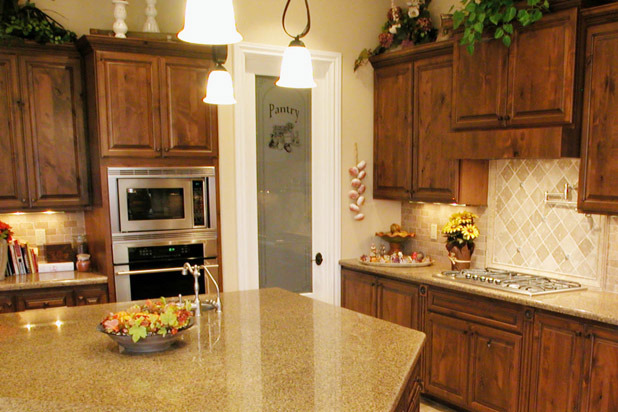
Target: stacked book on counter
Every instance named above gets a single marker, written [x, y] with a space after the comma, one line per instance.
[22, 259]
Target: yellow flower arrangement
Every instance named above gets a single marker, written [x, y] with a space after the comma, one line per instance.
[460, 229]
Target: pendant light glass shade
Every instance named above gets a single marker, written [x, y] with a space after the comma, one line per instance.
[296, 67]
[219, 89]
[210, 22]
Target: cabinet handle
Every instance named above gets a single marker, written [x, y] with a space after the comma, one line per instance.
[588, 335]
[80, 298]
[33, 200]
[167, 149]
[45, 304]
[578, 334]
[489, 343]
[9, 305]
[24, 200]
[500, 118]
[507, 117]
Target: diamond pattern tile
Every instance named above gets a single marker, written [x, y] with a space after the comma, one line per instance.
[550, 238]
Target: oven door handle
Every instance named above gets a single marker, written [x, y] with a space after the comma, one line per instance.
[151, 271]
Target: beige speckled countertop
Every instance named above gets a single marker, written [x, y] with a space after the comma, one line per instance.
[268, 350]
[586, 304]
[50, 280]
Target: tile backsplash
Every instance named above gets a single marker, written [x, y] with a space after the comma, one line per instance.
[59, 227]
[519, 231]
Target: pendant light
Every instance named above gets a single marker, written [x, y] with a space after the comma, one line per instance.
[219, 88]
[210, 22]
[296, 67]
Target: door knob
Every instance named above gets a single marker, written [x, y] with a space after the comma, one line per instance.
[318, 259]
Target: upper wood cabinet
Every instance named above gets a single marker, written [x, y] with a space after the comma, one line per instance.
[392, 125]
[530, 84]
[598, 180]
[412, 122]
[42, 129]
[148, 97]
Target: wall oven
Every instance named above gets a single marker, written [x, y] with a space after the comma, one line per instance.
[137, 264]
[157, 199]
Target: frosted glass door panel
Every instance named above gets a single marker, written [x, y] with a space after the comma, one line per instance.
[284, 185]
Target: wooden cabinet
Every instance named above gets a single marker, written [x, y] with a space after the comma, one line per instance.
[90, 295]
[529, 84]
[410, 400]
[573, 366]
[11, 301]
[7, 304]
[42, 129]
[598, 180]
[412, 121]
[51, 298]
[386, 299]
[392, 142]
[472, 361]
[148, 98]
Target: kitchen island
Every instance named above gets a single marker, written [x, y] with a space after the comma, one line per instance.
[268, 350]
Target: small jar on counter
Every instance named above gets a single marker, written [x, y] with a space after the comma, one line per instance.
[83, 262]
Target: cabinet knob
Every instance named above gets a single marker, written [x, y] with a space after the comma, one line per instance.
[9, 305]
[500, 118]
[528, 314]
[33, 200]
[167, 149]
[45, 304]
[489, 343]
[24, 200]
[507, 117]
[80, 298]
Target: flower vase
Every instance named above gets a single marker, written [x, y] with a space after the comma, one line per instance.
[460, 256]
[4, 257]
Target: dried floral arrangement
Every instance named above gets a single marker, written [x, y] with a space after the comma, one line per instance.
[403, 27]
[31, 23]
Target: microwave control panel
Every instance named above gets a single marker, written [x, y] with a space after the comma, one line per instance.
[199, 209]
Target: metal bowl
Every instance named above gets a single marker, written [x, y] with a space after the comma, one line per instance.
[149, 344]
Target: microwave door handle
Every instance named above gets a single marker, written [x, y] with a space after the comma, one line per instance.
[151, 271]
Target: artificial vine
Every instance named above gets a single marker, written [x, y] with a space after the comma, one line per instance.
[478, 16]
[30, 23]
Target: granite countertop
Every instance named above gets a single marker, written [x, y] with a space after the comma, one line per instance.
[50, 280]
[268, 350]
[586, 304]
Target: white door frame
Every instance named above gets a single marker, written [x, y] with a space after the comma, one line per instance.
[251, 59]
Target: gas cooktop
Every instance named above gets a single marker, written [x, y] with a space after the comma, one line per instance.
[507, 281]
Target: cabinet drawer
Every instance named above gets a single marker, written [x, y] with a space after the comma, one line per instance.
[490, 312]
[92, 295]
[6, 304]
[43, 300]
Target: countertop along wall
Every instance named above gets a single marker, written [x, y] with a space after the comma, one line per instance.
[343, 26]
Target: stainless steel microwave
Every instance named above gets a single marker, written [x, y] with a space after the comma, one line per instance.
[161, 199]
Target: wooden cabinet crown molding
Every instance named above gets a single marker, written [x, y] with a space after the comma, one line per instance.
[89, 43]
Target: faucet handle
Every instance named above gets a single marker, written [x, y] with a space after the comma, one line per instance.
[180, 298]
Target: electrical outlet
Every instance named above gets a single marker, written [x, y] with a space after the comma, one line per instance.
[434, 231]
[40, 236]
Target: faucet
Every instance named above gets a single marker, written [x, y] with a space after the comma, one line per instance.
[195, 270]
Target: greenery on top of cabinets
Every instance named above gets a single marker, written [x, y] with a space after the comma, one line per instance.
[31, 23]
[479, 16]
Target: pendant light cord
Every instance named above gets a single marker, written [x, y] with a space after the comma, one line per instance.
[307, 27]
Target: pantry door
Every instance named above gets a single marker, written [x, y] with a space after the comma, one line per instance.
[287, 175]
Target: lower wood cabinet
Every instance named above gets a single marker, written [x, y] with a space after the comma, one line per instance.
[471, 365]
[15, 301]
[574, 366]
[410, 400]
[386, 299]
[488, 355]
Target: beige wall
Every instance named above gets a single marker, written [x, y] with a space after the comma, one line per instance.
[343, 26]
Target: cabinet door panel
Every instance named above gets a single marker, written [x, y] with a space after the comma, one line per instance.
[398, 303]
[447, 358]
[435, 176]
[479, 86]
[392, 142]
[599, 168]
[129, 104]
[600, 392]
[91, 295]
[494, 378]
[14, 193]
[55, 131]
[541, 81]
[189, 125]
[556, 364]
[358, 292]
[44, 299]
[6, 304]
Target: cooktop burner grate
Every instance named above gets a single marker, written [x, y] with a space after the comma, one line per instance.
[509, 281]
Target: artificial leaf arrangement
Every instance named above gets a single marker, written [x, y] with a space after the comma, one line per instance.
[153, 318]
[30, 23]
[403, 27]
[5, 232]
[461, 230]
[480, 16]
